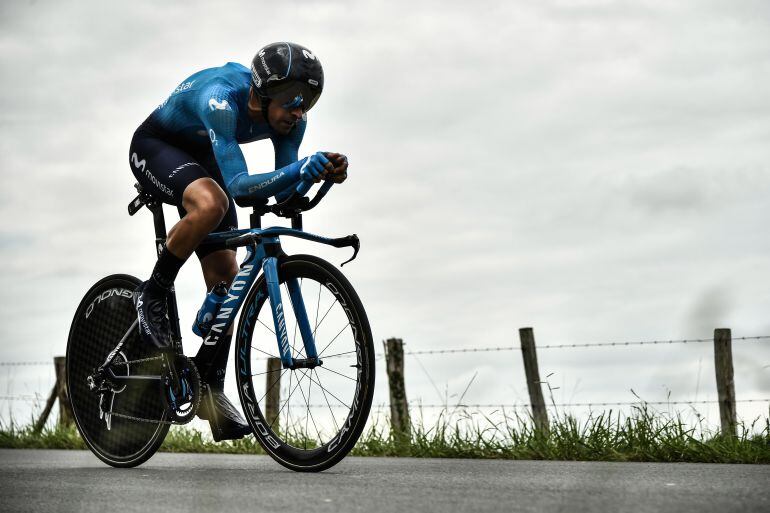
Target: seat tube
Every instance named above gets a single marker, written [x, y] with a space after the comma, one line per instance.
[159, 221]
[301, 314]
[270, 268]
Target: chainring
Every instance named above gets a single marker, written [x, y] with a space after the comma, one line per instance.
[183, 407]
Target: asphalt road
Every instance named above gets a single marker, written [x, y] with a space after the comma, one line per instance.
[76, 481]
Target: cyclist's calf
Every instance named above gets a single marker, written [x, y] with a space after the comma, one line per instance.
[219, 266]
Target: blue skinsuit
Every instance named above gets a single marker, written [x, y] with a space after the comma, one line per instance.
[208, 110]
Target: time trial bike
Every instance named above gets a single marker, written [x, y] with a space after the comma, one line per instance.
[312, 355]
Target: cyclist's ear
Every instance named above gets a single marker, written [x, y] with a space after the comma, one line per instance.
[254, 103]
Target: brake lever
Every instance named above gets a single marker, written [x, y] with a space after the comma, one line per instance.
[355, 243]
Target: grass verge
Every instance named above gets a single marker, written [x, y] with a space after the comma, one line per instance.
[642, 436]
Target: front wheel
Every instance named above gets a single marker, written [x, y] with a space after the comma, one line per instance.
[316, 415]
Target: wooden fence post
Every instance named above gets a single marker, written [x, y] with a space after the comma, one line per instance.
[48, 407]
[399, 409]
[539, 414]
[273, 391]
[723, 364]
[59, 391]
[66, 417]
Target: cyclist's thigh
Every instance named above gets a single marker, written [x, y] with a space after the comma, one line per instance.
[230, 221]
[162, 169]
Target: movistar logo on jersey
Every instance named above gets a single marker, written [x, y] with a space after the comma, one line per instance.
[183, 87]
[214, 104]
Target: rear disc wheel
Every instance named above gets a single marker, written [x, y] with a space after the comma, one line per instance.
[106, 316]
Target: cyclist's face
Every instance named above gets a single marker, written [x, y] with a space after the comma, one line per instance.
[281, 118]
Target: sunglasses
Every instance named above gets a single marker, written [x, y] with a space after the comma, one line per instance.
[295, 95]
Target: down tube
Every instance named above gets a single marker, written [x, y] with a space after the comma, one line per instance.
[235, 295]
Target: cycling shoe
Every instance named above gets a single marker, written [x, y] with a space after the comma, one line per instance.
[152, 312]
[225, 421]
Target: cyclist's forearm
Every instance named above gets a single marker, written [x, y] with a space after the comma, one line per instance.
[264, 185]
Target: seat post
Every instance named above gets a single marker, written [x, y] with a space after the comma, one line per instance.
[159, 221]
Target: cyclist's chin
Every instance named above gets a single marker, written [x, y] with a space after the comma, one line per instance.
[283, 127]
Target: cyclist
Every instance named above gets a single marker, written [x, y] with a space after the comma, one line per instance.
[186, 153]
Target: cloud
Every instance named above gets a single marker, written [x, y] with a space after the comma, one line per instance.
[589, 168]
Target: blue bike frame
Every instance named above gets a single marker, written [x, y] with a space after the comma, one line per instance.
[263, 249]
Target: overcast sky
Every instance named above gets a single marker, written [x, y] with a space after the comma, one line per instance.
[597, 170]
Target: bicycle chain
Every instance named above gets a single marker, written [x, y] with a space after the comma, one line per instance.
[141, 419]
[141, 360]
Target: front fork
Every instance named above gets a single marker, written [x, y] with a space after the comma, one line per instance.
[270, 268]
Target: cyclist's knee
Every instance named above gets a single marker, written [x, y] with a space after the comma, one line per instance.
[204, 197]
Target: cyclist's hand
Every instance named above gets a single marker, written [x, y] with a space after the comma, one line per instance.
[340, 163]
[315, 168]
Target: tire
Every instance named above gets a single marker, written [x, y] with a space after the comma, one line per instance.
[103, 318]
[322, 411]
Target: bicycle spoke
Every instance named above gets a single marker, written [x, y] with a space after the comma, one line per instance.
[320, 437]
[266, 326]
[343, 403]
[340, 354]
[278, 380]
[288, 412]
[335, 338]
[310, 415]
[307, 412]
[334, 419]
[337, 373]
[266, 372]
[324, 317]
[299, 381]
[264, 352]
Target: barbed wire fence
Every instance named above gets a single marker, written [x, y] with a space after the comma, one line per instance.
[579, 345]
[722, 340]
[419, 405]
[58, 392]
[399, 407]
[24, 364]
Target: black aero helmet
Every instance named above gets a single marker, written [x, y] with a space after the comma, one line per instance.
[287, 73]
